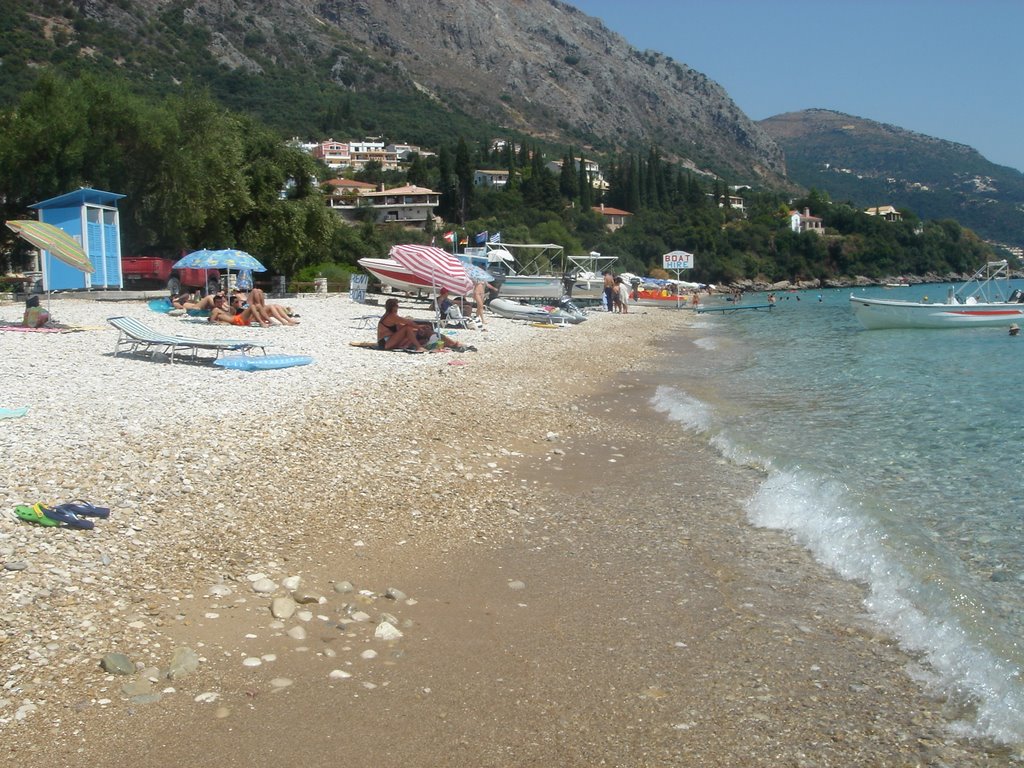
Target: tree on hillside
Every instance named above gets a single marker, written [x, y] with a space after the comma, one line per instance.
[447, 185]
[586, 186]
[568, 184]
[417, 173]
[464, 179]
[540, 189]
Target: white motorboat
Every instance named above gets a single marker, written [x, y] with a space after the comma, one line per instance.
[390, 272]
[566, 312]
[981, 302]
[534, 270]
[533, 286]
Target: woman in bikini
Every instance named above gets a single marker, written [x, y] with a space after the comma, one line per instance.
[395, 331]
[264, 311]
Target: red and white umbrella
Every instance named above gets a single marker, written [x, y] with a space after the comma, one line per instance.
[436, 265]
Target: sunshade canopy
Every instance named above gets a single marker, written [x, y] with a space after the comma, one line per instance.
[434, 264]
[226, 258]
[50, 238]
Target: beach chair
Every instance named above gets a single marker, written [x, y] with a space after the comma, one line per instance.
[455, 319]
[134, 336]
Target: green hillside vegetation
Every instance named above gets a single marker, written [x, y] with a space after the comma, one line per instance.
[199, 175]
[289, 94]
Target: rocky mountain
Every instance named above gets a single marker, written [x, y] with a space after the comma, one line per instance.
[874, 164]
[540, 68]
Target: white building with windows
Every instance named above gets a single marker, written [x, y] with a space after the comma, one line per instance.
[490, 179]
[804, 222]
[410, 205]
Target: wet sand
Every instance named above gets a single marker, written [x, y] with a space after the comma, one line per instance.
[594, 605]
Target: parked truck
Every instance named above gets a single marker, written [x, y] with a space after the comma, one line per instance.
[158, 272]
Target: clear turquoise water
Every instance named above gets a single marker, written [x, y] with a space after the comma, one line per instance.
[896, 458]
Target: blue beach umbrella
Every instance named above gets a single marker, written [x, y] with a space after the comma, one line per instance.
[478, 275]
[224, 258]
[227, 258]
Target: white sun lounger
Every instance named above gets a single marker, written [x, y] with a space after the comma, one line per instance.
[134, 336]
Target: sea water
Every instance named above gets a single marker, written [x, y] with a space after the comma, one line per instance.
[896, 457]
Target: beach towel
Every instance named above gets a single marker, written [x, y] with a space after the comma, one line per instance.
[13, 413]
[49, 329]
[373, 345]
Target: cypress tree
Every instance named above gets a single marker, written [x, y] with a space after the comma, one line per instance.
[586, 187]
[567, 183]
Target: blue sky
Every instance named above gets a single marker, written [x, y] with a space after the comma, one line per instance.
[952, 69]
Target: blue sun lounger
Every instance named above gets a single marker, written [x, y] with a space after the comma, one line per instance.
[134, 336]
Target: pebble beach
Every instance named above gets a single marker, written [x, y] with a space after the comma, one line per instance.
[437, 559]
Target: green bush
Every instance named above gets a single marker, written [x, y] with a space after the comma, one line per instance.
[337, 277]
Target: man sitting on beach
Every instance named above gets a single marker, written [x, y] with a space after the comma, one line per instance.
[453, 309]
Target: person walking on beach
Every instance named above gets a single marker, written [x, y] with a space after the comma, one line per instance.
[622, 294]
[609, 290]
[478, 299]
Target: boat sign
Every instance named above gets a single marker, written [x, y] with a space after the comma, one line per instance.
[677, 260]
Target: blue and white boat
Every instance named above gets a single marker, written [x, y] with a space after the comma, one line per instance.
[537, 272]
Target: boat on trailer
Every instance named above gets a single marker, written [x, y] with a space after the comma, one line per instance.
[983, 301]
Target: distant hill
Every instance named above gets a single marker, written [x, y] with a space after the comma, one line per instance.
[422, 71]
[871, 164]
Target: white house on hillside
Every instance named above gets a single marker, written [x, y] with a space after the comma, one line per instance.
[496, 179]
[614, 218]
[804, 222]
[409, 205]
[887, 212]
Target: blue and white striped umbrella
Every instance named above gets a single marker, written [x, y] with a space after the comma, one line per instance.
[226, 258]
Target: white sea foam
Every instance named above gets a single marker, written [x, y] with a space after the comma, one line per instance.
[706, 343]
[821, 516]
[693, 414]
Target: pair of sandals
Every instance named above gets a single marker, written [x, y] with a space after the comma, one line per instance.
[74, 514]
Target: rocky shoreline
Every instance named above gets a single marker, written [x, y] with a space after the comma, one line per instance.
[860, 281]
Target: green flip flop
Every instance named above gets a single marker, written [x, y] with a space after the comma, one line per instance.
[34, 514]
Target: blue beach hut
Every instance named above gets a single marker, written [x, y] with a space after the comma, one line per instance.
[90, 216]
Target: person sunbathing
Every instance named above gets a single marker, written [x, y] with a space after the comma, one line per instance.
[438, 342]
[268, 312]
[225, 315]
[185, 301]
[395, 331]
